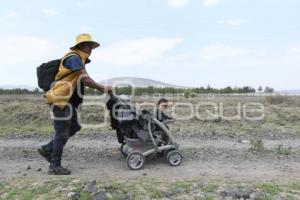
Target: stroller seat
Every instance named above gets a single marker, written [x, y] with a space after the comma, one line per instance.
[141, 134]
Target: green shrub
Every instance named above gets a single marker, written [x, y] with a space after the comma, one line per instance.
[257, 145]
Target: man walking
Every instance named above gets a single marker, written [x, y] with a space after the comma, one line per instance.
[65, 96]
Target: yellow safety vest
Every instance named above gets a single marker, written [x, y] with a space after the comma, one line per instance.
[62, 90]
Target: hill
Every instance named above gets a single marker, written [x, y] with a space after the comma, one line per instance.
[138, 82]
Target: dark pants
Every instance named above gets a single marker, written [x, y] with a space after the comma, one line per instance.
[65, 125]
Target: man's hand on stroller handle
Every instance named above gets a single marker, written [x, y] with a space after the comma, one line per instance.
[109, 89]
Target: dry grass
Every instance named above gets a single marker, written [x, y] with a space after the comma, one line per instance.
[284, 100]
[29, 114]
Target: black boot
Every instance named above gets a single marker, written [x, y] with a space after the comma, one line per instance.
[58, 170]
[45, 153]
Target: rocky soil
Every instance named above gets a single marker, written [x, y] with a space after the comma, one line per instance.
[213, 168]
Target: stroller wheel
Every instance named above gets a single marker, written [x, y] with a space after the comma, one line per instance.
[174, 157]
[135, 160]
[124, 150]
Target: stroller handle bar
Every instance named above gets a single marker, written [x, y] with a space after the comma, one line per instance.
[115, 97]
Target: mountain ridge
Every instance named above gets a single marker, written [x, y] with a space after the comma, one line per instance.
[138, 82]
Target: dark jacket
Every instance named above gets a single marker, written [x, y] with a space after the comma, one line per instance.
[161, 116]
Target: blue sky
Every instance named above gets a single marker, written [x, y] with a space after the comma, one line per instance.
[184, 42]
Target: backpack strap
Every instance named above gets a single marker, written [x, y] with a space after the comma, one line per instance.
[62, 60]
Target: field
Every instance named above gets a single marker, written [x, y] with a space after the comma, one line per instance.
[233, 146]
[29, 115]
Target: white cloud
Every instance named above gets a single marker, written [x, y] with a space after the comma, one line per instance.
[183, 3]
[21, 50]
[222, 64]
[177, 3]
[295, 50]
[210, 3]
[220, 52]
[292, 56]
[12, 14]
[82, 4]
[50, 12]
[136, 52]
[86, 29]
[232, 22]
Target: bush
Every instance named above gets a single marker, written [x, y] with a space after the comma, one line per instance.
[278, 99]
[257, 145]
[280, 150]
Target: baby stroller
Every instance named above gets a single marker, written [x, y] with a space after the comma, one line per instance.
[141, 134]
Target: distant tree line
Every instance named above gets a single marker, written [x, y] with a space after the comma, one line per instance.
[200, 90]
[186, 91]
[19, 91]
[158, 90]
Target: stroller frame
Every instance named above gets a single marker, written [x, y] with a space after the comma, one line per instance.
[136, 150]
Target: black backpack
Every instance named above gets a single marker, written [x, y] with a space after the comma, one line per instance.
[46, 73]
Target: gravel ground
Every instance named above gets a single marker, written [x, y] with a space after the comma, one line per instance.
[204, 158]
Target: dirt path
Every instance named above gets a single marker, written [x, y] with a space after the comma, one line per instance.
[203, 158]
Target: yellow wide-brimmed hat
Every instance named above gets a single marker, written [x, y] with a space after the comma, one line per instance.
[85, 38]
